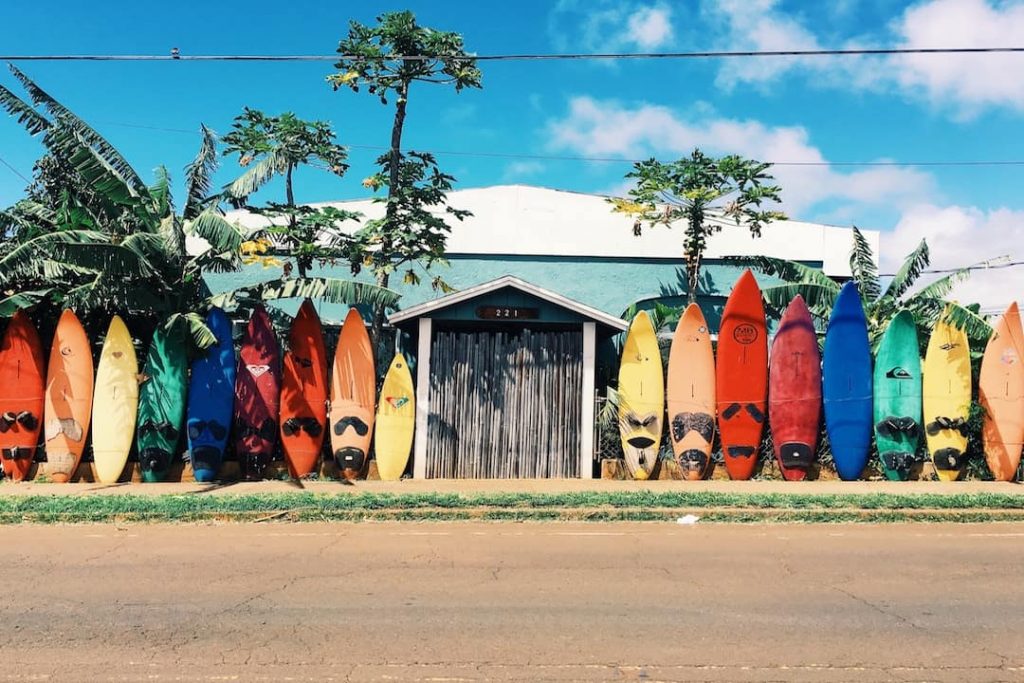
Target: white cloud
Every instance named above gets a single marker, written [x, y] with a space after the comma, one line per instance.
[521, 169]
[610, 25]
[974, 81]
[608, 128]
[959, 236]
[650, 27]
[964, 83]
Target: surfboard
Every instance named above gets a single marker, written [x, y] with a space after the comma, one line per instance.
[641, 397]
[741, 376]
[946, 388]
[304, 392]
[257, 396]
[162, 402]
[68, 404]
[794, 391]
[846, 384]
[211, 399]
[21, 396]
[1001, 392]
[897, 405]
[396, 420]
[353, 397]
[690, 394]
[115, 402]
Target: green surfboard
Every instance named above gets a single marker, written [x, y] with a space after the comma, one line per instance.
[897, 404]
[162, 402]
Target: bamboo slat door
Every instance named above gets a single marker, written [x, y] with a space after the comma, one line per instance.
[505, 405]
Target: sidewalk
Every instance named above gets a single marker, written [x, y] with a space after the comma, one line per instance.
[540, 486]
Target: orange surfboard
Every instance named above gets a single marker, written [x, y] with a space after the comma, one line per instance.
[21, 396]
[1001, 392]
[353, 397]
[691, 394]
[69, 387]
[742, 377]
[304, 392]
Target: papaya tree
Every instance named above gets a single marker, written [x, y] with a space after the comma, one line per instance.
[414, 229]
[703, 194]
[276, 146]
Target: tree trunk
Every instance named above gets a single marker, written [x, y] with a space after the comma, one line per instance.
[393, 190]
[290, 198]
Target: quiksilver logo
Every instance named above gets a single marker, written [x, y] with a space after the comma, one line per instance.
[898, 373]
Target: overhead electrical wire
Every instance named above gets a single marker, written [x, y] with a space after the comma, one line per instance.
[175, 55]
[15, 171]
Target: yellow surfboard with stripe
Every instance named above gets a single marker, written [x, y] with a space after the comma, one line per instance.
[396, 421]
[947, 398]
[641, 397]
[115, 402]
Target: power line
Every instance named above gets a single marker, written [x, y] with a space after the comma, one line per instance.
[15, 171]
[176, 56]
[621, 160]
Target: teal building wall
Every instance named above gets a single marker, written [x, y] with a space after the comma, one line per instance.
[610, 285]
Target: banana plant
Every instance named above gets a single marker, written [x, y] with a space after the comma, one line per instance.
[881, 303]
[119, 244]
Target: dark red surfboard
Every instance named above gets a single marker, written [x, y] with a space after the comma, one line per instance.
[257, 396]
[794, 391]
[741, 377]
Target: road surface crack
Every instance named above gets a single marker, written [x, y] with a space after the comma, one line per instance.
[881, 610]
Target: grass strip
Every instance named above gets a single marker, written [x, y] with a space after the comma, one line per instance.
[595, 505]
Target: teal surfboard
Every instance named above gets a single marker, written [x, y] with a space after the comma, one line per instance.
[897, 405]
[162, 402]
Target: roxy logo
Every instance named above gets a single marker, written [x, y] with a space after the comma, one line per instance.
[257, 370]
[745, 334]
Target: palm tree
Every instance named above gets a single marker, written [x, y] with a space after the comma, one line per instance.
[124, 246]
[880, 304]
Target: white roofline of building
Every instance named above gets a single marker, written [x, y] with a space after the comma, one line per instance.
[428, 307]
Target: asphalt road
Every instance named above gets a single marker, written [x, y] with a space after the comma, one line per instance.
[531, 602]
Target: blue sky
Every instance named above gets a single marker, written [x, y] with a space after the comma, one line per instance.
[827, 110]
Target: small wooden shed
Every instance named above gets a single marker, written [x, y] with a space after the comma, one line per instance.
[505, 382]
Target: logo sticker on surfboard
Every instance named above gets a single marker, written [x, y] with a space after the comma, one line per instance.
[257, 370]
[745, 333]
[396, 402]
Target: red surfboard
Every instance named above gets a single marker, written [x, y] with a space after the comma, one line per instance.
[741, 377]
[794, 391]
[21, 396]
[304, 392]
[257, 396]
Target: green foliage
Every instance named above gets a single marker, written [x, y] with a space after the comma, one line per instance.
[91, 235]
[273, 146]
[412, 229]
[418, 231]
[704, 194]
[819, 291]
[368, 50]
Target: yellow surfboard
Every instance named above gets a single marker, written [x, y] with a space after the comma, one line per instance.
[396, 420]
[641, 397]
[115, 402]
[947, 398]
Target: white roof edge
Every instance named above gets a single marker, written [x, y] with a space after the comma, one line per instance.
[508, 281]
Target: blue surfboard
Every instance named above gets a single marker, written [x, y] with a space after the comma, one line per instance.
[211, 396]
[846, 385]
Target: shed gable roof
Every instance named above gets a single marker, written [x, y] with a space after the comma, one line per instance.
[431, 308]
